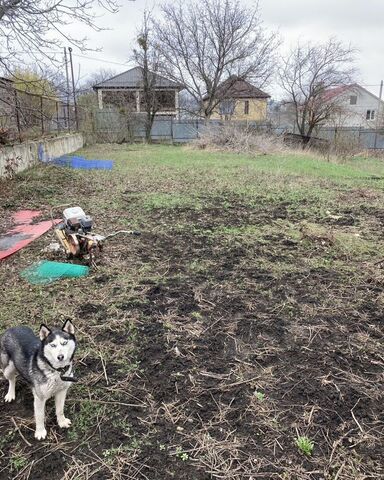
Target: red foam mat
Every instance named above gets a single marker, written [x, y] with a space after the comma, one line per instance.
[23, 233]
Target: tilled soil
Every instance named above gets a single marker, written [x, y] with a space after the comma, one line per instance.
[207, 349]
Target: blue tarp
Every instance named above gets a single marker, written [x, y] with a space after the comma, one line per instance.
[83, 163]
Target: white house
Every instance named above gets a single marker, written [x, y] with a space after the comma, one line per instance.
[355, 107]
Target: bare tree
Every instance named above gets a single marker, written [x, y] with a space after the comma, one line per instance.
[205, 42]
[35, 27]
[308, 76]
[148, 58]
[94, 78]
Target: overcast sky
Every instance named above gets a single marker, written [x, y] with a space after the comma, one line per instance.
[358, 22]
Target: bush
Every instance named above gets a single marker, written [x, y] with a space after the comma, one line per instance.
[238, 138]
[5, 135]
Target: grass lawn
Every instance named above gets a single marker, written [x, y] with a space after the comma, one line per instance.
[239, 337]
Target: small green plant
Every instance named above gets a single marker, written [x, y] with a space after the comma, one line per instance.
[7, 438]
[305, 445]
[111, 453]
[259, 395]
[85, 419]
[181, 454]
[162, 447]
[18, 462]
[123, 425]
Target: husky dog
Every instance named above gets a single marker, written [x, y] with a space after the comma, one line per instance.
[46, 364]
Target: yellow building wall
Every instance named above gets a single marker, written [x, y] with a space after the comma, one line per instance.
[257, 110]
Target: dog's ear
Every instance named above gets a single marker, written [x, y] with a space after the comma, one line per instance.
[68, 327]
[44, 332]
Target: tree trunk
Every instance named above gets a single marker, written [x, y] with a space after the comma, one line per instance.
[148, 128]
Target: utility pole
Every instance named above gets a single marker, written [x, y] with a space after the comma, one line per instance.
[73, 88]
[378, 114]
[68, 119]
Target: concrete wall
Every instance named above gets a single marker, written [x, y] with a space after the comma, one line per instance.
[27, 154]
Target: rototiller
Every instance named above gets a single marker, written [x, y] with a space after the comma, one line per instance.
[75, 235]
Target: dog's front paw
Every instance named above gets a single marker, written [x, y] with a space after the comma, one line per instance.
[9, 397]
[64, 422]
[40, 434]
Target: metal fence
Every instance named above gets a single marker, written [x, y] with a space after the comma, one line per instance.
[25, 116]
[113, 125]
[358, 137]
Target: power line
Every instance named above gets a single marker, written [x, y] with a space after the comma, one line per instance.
[100, 60]
[75, 55]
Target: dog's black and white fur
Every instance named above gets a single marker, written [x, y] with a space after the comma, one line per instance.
[45, 363]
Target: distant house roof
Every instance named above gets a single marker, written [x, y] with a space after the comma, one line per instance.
[334, 92]
[234, 87]
[133, 79]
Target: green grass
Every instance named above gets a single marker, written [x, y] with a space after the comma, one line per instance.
[180, 160]
[85, 419]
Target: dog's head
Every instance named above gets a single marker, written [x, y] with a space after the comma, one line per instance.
[58, 345]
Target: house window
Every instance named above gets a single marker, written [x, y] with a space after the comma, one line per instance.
[246, 107]
[353, 99]
[370, 115]
[227, 107]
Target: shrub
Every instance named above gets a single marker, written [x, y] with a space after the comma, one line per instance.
[5, 134]
[239, 138]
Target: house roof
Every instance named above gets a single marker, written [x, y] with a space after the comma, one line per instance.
[234, 87]
[133, 79]
[334, 92]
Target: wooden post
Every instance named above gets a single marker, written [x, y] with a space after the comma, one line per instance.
[378, 113]
[92, 121]
[57, 117]
[73, 89]
[17, 116]
[67, 115]
[42, 116]
[177, 105]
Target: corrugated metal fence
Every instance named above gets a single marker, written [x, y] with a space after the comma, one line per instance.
[111, 125]
[365, 138]
[119, 126]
